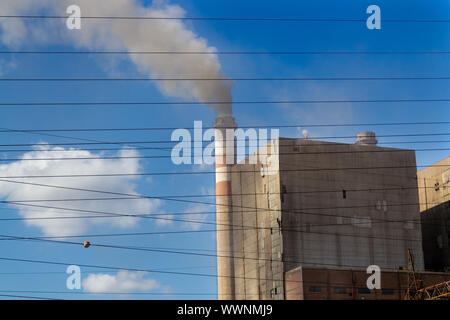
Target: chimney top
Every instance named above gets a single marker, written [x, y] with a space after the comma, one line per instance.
[225, 122]
[366, 138]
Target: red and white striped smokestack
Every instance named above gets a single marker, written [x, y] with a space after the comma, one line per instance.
[225, 156]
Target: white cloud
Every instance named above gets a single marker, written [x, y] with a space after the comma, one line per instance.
[119, 184]
[198, 213]
[164, 220]
[6, 66]
[122, 282]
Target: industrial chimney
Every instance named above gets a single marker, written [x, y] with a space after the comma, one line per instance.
[225, 156]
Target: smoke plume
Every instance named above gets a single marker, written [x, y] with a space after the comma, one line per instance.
[126, 35]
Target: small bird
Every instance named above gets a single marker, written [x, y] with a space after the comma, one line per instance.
[86, 244]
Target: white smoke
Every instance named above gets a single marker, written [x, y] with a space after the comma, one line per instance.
[127, 35]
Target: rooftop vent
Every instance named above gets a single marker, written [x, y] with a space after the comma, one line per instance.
[366, 138]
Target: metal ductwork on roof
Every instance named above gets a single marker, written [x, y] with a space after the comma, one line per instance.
[366, 138]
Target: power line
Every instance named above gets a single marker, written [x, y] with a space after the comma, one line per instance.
[295, 229]
[248, 19]
[187, 213]
[170, 198]
[195, 103]
[112, 293]
[62, 272]
[437, 52]
[211, 223]
[26, 297]
[167, 252]
[132, 195]
[168, 148]
[311, 125]
[137, 196]
[224, 140]
[244, 154]
[290, 211]
[209, 172]
[334, 285]
[163, 272]
[222, 79]
[241, 227]
[293, 211]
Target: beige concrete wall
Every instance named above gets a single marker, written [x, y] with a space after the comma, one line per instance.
[375, 222]
[256, 236]
[434, 184]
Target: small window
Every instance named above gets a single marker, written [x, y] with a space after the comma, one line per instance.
[315, 289]
[387, 291]
[273, 291]
[340, 290]
[344, 194]
[363, 291]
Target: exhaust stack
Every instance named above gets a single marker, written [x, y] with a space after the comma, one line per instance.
[225, 156]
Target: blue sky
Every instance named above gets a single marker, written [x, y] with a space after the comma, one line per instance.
[225, 36]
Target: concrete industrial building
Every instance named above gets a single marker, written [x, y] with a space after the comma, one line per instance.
[434, 184]
[318, 283]
[316, 204]
[436, 237]
[434, 197]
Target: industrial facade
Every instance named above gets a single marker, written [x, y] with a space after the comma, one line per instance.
[434, 184]
[324, 205]
[316, 283]
[436, 237]
[434, 197]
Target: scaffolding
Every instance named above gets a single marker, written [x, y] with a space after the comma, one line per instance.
[439, 291]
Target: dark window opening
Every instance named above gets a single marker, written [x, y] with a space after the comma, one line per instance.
[340, 290]
[344, 194]
[363, 291]
[315, 289]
